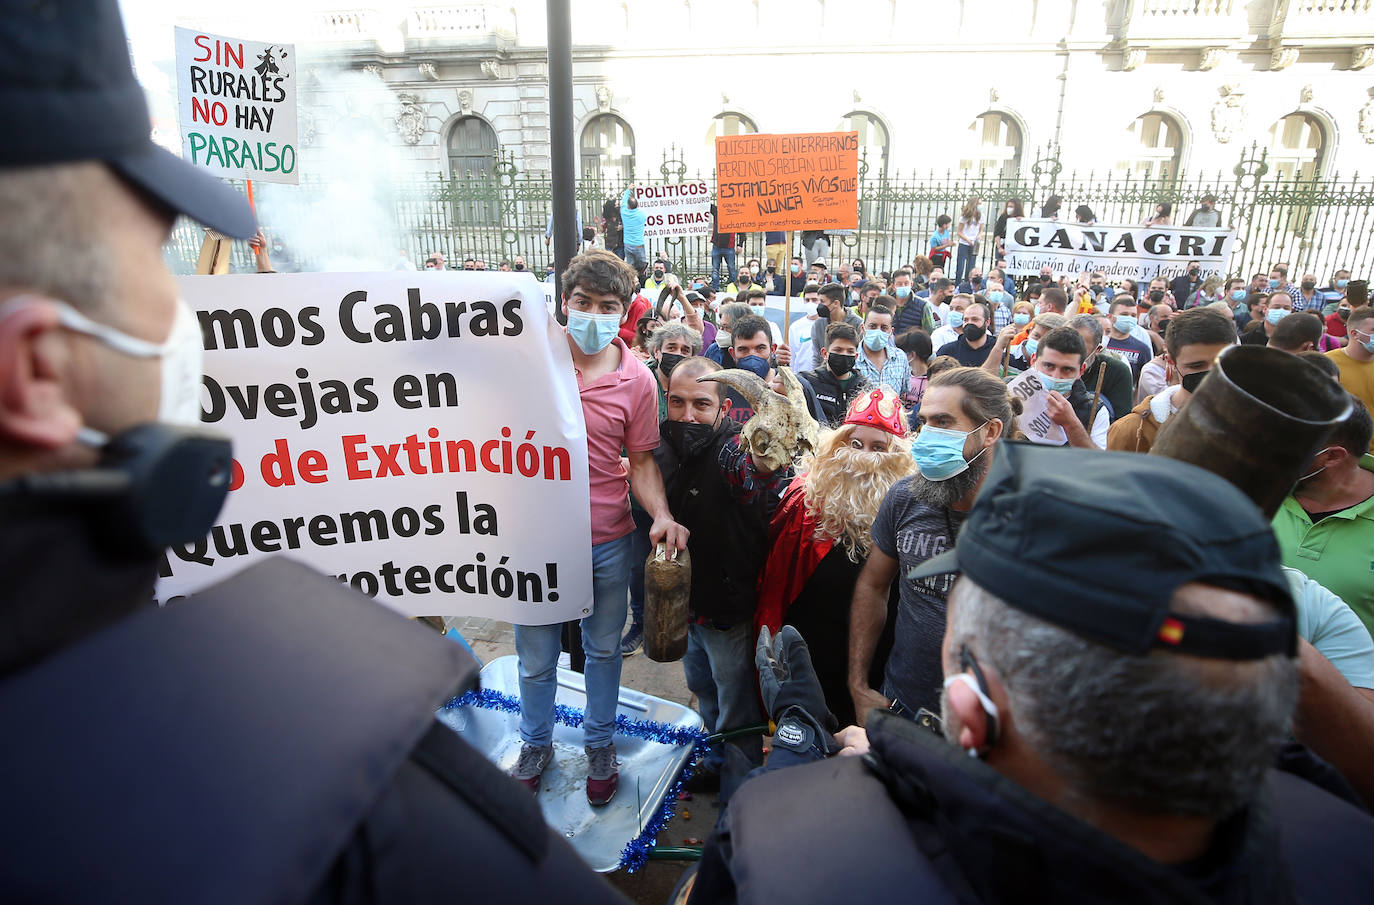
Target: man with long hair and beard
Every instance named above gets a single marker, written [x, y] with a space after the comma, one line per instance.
[821, 536]
[964, 413]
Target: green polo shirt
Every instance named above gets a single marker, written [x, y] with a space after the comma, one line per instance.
[1337, 552]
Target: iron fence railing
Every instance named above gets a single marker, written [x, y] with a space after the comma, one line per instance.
[1314, 225]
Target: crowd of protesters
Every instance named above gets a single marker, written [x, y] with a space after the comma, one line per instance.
[955, 665]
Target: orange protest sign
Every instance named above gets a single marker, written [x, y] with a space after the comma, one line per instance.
[808, 180]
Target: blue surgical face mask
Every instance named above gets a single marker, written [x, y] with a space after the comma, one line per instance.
[1273, 284]
[902, 291]
[1274, 315]
[875, 340]
[955, 319]
[757, 309]
[939, 452]
[1342, 283]
[1061, 385]
[756, 364]
[996, 296]
[1238, 295]
[1029, 348]
[1123, 323]
[592, 332]
[1020, 320]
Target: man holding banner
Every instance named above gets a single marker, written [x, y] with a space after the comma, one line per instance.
[620, 405]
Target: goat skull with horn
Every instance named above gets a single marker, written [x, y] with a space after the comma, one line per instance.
[782, 430]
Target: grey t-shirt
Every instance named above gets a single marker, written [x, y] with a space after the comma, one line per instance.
[911, 532]
[818, 333]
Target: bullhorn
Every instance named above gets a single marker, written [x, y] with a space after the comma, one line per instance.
[1256, 419]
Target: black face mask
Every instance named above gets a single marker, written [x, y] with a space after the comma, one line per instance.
[822, 311]
[1192, 274]
[519, 266]
[658, 274]
[686, 439]
[1192, 381]
[669, 360]
[1156, 296]
[840, 365]
[973, 332]
[1308, 286]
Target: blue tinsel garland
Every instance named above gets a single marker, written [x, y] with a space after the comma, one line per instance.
[636, 853]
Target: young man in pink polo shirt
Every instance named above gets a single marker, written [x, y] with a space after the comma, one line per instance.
[620, 406]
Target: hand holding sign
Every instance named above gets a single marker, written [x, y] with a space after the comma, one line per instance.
[1037, 421]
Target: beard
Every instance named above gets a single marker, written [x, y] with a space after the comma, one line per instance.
[951, 490]
[845, 489]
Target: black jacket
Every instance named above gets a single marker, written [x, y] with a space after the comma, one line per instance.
[729, 535]
[270, 740]
[834, 397]
[919, 821]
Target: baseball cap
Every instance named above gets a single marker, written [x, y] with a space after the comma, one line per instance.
[68, 94]
[695, 297]
[1098, 542]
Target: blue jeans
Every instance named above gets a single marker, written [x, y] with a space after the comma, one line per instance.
[716, 254]
[964, 262]
[635, 256]
[537, 646]
[639, 554]
[719, 666]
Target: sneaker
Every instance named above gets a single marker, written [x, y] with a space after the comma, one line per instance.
[529, 768]
[633, 640]
[602, 775]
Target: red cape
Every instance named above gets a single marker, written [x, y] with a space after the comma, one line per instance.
[792, 558]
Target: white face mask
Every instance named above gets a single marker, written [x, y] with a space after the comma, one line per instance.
[182, 354]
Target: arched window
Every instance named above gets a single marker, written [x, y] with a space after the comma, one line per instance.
[1155, 146]
[1297, 146]
[873, 139]
[729, 124]
[471, 148]
[995, 140]
[608, 148]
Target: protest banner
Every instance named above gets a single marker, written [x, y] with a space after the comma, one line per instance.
[1034, 420]
[236, 100]
[675, 210]
[416, 435]
[1138, 253]
[788, 182]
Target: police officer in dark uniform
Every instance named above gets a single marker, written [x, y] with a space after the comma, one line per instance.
[271, 740]
[1118, 677]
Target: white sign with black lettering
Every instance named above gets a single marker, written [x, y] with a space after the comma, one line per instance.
[675, 210]
[1035, 420]
[1118, 252]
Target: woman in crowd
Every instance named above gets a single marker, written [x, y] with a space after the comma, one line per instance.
[1084, 215]
[1163, 211]
[916, 345]
[821, 535]
[1050, 209]
[970, 231]
[1011, 210]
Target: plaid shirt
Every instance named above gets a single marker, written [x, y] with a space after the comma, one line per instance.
[1299, 303]
[1001, 316]
[745, 483]
[896, 373]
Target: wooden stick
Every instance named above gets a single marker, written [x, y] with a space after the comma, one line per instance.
[787, 296]
[1097, 393]
[1006, 359]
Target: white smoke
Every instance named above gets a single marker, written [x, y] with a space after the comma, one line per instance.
[343, 215]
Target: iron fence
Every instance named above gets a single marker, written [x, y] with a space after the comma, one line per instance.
[1314, 225]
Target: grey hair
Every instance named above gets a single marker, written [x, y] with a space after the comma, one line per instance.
[53, 234]
[734, 311]
[1162, 733]
[674, 331]
[1091, 323]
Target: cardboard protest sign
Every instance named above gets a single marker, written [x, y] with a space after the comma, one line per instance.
[417, 435]
[675, 210]
[788, 182]
[1035, 420]
[1122, 252]
[236, 101]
